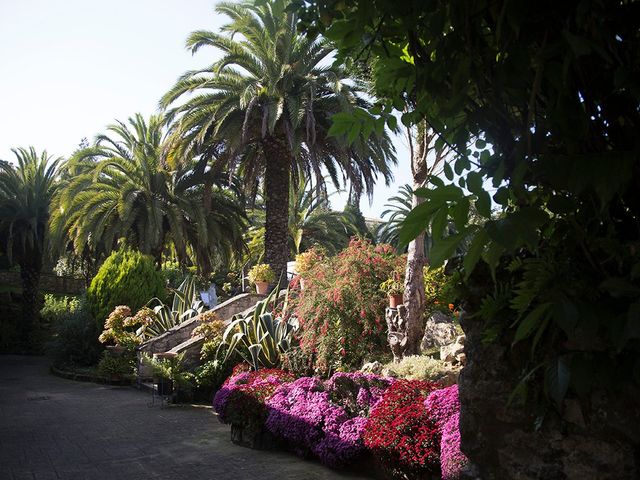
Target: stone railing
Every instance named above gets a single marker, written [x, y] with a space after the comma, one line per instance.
[182, 333]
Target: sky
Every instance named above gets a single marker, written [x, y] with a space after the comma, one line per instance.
[69, 68]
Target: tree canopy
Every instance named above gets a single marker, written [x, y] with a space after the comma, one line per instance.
[543, 101]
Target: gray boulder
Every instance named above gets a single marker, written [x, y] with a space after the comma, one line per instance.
[438, 331]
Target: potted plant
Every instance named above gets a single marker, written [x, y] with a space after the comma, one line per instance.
[162, 366]
[305, 261]
[394, 288]
[261, 275]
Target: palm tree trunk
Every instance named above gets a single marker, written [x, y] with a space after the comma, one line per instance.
[414, 294]
[276, 185]
[30, 275]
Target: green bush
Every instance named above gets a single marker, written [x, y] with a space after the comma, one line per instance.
[74, 334]
[417, 367]
[127, 277]
[56, 307]
[111, 365]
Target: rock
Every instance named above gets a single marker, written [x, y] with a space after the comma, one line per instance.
[440, 317]
[450, 377]
[596, 439]
[454, 352]
[438, 331]
[372, 367]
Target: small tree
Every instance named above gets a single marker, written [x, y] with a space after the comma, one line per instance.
[127, 277]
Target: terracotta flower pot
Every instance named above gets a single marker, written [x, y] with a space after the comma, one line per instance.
[262, 288]
[395, 300]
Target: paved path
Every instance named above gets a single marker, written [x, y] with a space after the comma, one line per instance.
[51, 428]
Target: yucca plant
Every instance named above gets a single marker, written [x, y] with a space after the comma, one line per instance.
[259, 337]
[185, 306]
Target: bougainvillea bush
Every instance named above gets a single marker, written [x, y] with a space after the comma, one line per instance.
[341, 309]
[241, 400]
[402, 434]
[444, 407]
[325, 419]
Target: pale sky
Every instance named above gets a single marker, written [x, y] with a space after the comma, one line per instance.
[69, 68]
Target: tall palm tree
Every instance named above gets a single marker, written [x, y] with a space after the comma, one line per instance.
[311, 223]
[121, 188]
[26, 191]
[267, 106]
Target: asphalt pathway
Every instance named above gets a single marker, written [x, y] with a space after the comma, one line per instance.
[52, 428]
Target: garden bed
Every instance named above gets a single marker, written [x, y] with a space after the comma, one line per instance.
[90, 375]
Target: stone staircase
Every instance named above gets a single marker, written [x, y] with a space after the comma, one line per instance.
[178, 339]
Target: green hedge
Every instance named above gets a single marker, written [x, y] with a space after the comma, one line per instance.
[127, 277]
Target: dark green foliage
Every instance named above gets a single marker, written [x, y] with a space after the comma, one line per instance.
[543, 100]
[123, 187]
[74, 333]
[270, 98]
[127, 277]
[111, 365]
[26, 191]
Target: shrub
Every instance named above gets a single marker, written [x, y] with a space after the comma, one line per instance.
[417, 367]
[258, 336]
[307, 260]
[125, 278]
[241, 400]
[119, 328]
[55, 308]
[211, 327]
[325, 419]
[341, 310]
[74, 336]
[441, 290]
[298, 362]
[114, 365]
[444, 408]
[185, 306]
[210, 376]
[401, 432]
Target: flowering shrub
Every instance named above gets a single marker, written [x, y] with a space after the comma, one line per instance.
[444, 407]
[241, 400]
[119, 328]
[325, 419]
[307, 260]
[402, 433]
[341, 309]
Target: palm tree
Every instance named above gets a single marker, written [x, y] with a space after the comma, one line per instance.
[396, 211]
[25, 197]
[266, 105]
[121, 188]
[311, 223]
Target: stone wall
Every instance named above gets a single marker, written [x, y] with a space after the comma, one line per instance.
[181, 334]
[49, 283]
[597, 439]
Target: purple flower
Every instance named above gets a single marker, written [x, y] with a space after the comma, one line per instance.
[452, 460]
[326, 419]
[444, 408]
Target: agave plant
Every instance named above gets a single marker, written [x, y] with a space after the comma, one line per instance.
[259, 337]
[185, 306]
